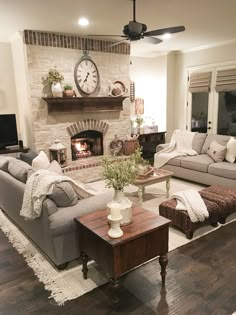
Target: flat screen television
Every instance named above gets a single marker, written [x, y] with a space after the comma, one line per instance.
[8, 130]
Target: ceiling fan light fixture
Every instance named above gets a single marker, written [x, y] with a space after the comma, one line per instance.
[166, 36]
[83, 21]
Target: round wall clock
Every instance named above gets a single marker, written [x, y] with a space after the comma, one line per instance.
[86, 75]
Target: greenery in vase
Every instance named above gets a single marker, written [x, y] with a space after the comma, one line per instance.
[139, 120]
[119, 173]
[53, 76]
[68, 87]
[137, 157]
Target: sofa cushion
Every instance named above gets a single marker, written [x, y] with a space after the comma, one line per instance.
[41, 161]
[64, 195]
[28, 157]
[231, 150]
[18, 169]
[198, 141]
[198, 163]
[223, 169]
[218, 138]
[175, 162]
[216, 151]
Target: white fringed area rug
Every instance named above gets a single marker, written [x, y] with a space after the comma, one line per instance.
[69, 284]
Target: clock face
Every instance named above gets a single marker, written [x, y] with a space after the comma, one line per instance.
[86, 76]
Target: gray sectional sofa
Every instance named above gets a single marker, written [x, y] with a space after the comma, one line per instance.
[55, 233]
[201, 168]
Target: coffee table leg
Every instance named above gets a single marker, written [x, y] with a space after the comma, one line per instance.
[140, 193]
[163, 261]
[167, 188]
[85, 268]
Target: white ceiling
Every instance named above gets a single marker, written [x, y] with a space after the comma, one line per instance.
[207, 22]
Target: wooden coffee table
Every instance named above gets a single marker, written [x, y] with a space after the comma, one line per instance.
[145, 238]
[158, 176]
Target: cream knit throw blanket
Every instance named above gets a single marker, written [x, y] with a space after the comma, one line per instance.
[191, 201]
[38, 186]
[180, 145]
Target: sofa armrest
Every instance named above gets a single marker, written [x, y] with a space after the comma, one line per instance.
[161, 146]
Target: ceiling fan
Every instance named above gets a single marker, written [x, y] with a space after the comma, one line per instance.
[136, 31]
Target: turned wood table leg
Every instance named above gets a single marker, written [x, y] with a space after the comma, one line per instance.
[84, 258]
[163, 260]
[140, 194]
[168, 188]
[115, 289]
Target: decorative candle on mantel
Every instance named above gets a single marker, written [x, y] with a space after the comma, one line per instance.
[115, 212]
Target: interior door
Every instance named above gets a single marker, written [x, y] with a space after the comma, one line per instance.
[200, 114]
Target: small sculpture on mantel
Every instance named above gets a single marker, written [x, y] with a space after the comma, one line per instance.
[116, 146]
[117, 88]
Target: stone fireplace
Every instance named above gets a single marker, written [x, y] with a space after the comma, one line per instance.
[87, 138]
[88, 129]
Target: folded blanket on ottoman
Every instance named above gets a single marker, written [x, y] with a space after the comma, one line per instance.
[191, 201]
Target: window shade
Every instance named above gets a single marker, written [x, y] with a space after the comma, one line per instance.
[200, 82]
[226, 80]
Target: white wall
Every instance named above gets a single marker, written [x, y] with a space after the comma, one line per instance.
[184, 61]
[22, 89]
[150, 77]
[8, 103]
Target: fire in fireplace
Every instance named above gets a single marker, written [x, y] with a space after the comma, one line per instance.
[86, 143]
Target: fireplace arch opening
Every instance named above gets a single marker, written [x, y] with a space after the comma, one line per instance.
[86, 143]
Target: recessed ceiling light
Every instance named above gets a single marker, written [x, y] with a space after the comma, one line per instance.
[83, 21]
[166, 36]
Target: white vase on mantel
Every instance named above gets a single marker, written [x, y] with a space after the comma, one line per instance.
[125, 205]
[57, 90]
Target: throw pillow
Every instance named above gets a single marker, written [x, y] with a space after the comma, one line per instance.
[231, 150]
[216, 151]
[18, 169]
[4, 164]
[64, 195]
[55, 167]
[28, 157]
[41, 161]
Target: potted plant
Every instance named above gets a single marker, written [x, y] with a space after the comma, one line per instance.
[54, 79]
[142, 165]
[68, 91]
[118, 174]
[139, 121]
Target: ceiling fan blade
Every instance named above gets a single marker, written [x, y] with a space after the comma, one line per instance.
[119, 42]
[162, 31]
[151, 40]
[107, 35]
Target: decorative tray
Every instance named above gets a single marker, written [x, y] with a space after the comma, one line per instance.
[147, 174]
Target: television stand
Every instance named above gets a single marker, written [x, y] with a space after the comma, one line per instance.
[13, 149]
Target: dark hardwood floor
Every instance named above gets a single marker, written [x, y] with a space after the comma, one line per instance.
[201, 280]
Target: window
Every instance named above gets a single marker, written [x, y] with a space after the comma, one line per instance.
[199, 112]
[227, 113]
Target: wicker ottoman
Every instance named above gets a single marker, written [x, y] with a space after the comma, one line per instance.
[220, 202]
[224, 197]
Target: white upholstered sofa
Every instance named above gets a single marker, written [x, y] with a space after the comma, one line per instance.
[202, 168]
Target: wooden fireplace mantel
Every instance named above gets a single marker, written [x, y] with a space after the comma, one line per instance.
[84, 104]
